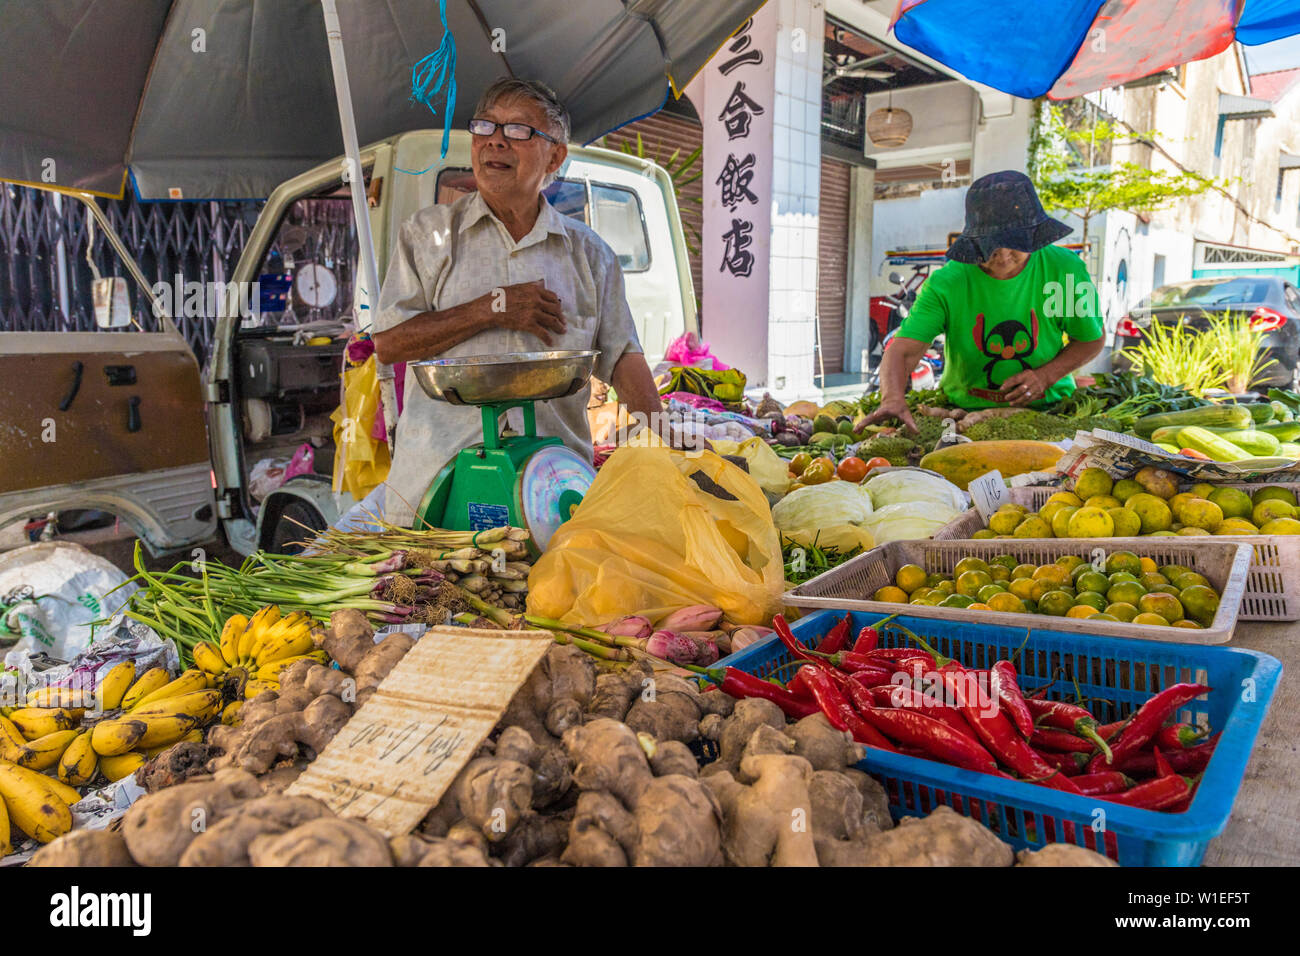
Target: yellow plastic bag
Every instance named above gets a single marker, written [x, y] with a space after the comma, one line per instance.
[648, 539]
[768, 468]
[360, 462]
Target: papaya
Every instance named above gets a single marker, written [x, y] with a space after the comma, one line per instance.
[962, 464]
[802, 409]
[824, 423]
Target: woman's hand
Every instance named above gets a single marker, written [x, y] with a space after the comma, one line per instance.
[1025, 387]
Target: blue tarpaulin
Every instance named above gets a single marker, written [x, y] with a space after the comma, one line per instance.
[1065, 48]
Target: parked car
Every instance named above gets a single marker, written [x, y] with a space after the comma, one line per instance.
[1271, 303]
[122, 420]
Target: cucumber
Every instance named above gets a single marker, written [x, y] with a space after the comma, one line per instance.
[1165, 446]
[1282, 431]
[1170, 432]
[1281, 413]
[1260, 412]
[1288, 450]
[1233, 416]
[1208, 443]
[1258, 443]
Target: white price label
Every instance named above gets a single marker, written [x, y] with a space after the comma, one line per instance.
[989, 492]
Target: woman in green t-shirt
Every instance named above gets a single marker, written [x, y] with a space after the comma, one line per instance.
[1018, 314]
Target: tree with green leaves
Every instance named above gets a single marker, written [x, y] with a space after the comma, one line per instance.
[1068, 164]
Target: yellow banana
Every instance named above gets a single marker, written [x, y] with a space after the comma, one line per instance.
[11, 740]
[277, 632]
[165, 729]
[148, 682]
[230, 716]
[192, 680]
[200, 704]
[6, 844]
[69, 697]
[34, 722]
[271, 670]
[255, 687]
[121, 765]
[115, 684]
[230, 635]
[44, 752]
[68, 795]
[34, 807]
[194, 736]
[110, 738]
[257, 625]
[79, 762]
[207, 657]
[292, 643]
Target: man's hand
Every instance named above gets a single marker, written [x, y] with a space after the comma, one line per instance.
[1025, 387]
[894, 409]
[528, 307]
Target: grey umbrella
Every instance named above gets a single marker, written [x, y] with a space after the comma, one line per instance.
[224, 99]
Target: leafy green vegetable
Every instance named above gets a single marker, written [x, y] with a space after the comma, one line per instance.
[813, 562]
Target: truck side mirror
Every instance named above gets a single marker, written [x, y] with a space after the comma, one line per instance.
[112, 307]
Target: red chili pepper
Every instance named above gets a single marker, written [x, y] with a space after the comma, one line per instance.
[1146, 723]
[739, 684]
[1095, 784]
[791, 643]
[872, 676]
[909, 698]
[1158, 794]
[868, 640]
[895, 655]
[837, 708]
[1162, 765]
[836, 637]
[1006, 682]
[1046, 738]
[1180, 736]
[1191, 760]
[1108, 731]
[1186, 802]
[1069, 764]
[936, 738]
[1070, 717]
[996, 732]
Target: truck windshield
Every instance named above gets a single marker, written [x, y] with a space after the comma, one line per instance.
[617, 216]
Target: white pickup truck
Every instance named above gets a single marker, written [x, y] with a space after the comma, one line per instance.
[123, 421]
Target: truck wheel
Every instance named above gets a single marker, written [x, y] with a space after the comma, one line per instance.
[288, 534]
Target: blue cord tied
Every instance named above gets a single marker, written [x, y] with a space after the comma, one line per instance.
[429, 75]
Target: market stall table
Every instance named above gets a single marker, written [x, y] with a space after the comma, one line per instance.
[1264, 829]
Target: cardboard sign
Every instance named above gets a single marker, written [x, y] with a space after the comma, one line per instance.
[989, 492]
[392, 762]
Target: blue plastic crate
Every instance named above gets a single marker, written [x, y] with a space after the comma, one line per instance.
[1119, 675]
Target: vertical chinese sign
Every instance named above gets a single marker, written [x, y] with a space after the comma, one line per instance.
[738, 105]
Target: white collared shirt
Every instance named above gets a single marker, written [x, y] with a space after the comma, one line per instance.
[447, 255]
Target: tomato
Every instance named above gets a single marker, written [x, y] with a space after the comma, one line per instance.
[799, 462]
[877, 462]
[852, 469]
[817, 473]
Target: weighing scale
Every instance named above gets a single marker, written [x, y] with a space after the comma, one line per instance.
[525, 481]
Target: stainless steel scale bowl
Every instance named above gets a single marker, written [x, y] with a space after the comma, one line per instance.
[509, 377]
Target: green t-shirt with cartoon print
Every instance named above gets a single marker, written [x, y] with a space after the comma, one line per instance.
[997, 328]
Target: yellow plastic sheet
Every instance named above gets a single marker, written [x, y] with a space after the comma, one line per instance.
[360, 462]
[769, 469]
[648, 538]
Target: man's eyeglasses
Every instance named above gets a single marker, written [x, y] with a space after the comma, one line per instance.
[518, 131]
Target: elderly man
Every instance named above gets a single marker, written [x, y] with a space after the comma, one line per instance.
[500, 270]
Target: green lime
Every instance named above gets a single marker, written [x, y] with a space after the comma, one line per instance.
[957, 600]
[989, 590]
[1122, 612]
[1055, 603]
[1092, 599]
[1093, 581]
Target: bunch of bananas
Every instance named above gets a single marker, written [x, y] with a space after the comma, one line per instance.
[253, 651]
[145, 716]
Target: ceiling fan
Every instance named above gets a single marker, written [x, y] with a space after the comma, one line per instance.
[839, 67]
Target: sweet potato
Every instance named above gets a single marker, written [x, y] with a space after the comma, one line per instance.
[85, 848]
[327, 841]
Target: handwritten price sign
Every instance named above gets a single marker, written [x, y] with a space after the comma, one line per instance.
[393, 761]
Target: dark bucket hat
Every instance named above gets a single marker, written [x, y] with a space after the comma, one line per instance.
[1003, 211]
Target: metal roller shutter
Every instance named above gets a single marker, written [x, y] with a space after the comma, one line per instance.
[833, 264]
[661, 135]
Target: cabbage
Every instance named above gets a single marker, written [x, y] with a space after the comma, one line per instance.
[903, 486]
[820, 506]
[908, 521]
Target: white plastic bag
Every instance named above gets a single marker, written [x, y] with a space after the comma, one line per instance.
[51, 592]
